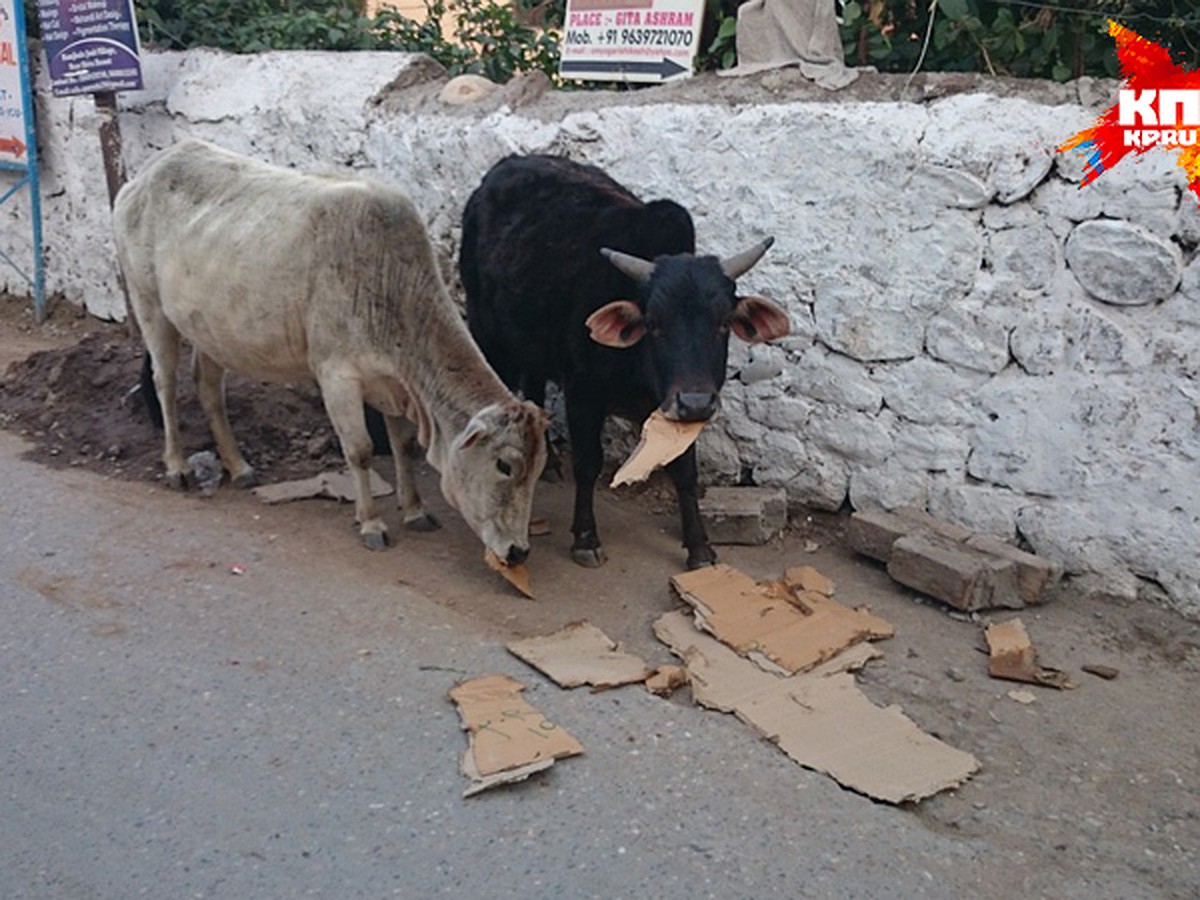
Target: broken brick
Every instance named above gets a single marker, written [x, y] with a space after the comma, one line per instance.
[743, 515]
[954, 573]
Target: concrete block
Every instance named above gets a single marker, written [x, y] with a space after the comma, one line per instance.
[1034, 574]
[743, 515]
[872, 532]
[954, 573]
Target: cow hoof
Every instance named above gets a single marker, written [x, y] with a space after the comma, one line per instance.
[701, 560]
[590, 558]
[247, 479]
[376, 540]
[177, 481]
[423, 522]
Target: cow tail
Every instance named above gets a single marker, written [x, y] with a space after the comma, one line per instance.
[149, 394]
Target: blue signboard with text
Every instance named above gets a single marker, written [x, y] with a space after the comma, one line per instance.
[91, 45]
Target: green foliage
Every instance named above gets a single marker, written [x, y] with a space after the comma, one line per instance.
[486, 37]
[1056, 39]
[721, 53]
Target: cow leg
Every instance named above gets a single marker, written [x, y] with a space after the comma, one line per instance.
[402, 435]
[162, 343]
[342, 393]
[210, 387]
[585, 421]
[533, 389]
[682, 471]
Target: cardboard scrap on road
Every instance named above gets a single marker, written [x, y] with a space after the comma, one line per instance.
[517, 576]
[820, 718]
[509, 740]
[1011, 656]
[333, 485]
[662, 440]
[666, 680]
[786, 626]
[581, 654]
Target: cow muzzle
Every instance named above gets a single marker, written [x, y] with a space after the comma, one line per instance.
[692, 406]
[516, 555]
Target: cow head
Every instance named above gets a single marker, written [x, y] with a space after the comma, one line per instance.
[689, 306]
[493, 467]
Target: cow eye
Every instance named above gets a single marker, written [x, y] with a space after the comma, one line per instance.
[503, 468]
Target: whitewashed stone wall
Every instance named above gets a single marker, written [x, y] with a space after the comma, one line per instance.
[973, 333]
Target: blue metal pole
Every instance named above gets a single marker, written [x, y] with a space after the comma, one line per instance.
[35, 193]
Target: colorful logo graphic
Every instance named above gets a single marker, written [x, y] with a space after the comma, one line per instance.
[1159, 106]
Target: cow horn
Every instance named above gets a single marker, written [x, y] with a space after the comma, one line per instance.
[739, 264]
[634, 266]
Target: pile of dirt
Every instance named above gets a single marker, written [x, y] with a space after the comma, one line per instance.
[80, 405]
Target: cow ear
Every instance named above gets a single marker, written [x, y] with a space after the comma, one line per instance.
[618, 324]
[757, 319]
[482, 425]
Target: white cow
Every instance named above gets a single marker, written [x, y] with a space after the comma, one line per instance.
[285, 276]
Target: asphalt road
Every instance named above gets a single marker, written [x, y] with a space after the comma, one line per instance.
[173, 730]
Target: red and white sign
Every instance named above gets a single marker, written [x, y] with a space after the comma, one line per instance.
[630, 40]
[12, 103]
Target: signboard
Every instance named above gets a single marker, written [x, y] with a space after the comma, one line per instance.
[91, 45]
[630, 40]
[13, 152]
[18, 139]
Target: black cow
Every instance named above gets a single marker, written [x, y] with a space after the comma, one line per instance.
[556, 263]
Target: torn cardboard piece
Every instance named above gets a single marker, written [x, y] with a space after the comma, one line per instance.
[783, 626]
[820, 718]
[333, 485]
[581, 654]
[517, 576]
[508, 740]
[662, 440]
[1011, 656]
[666, 680]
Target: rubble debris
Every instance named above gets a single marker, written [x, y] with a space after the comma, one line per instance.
[517, 576]
[784, 626]
[1011, 656]
[1108, 673]
[820, 718]
[743, 515]
[508, 740]
[206, 471]
[332, 485]
[662, 440]
[581, 654]
[965, 570]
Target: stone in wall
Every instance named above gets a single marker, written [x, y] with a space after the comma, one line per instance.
[889, 485]
[1022, 250]
[858, 438]
[924, 390]
[972, 334]
[866, 322]
[946, 187]
[977, 507]
[1123, 263]
[833, 378]
[930, 448]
